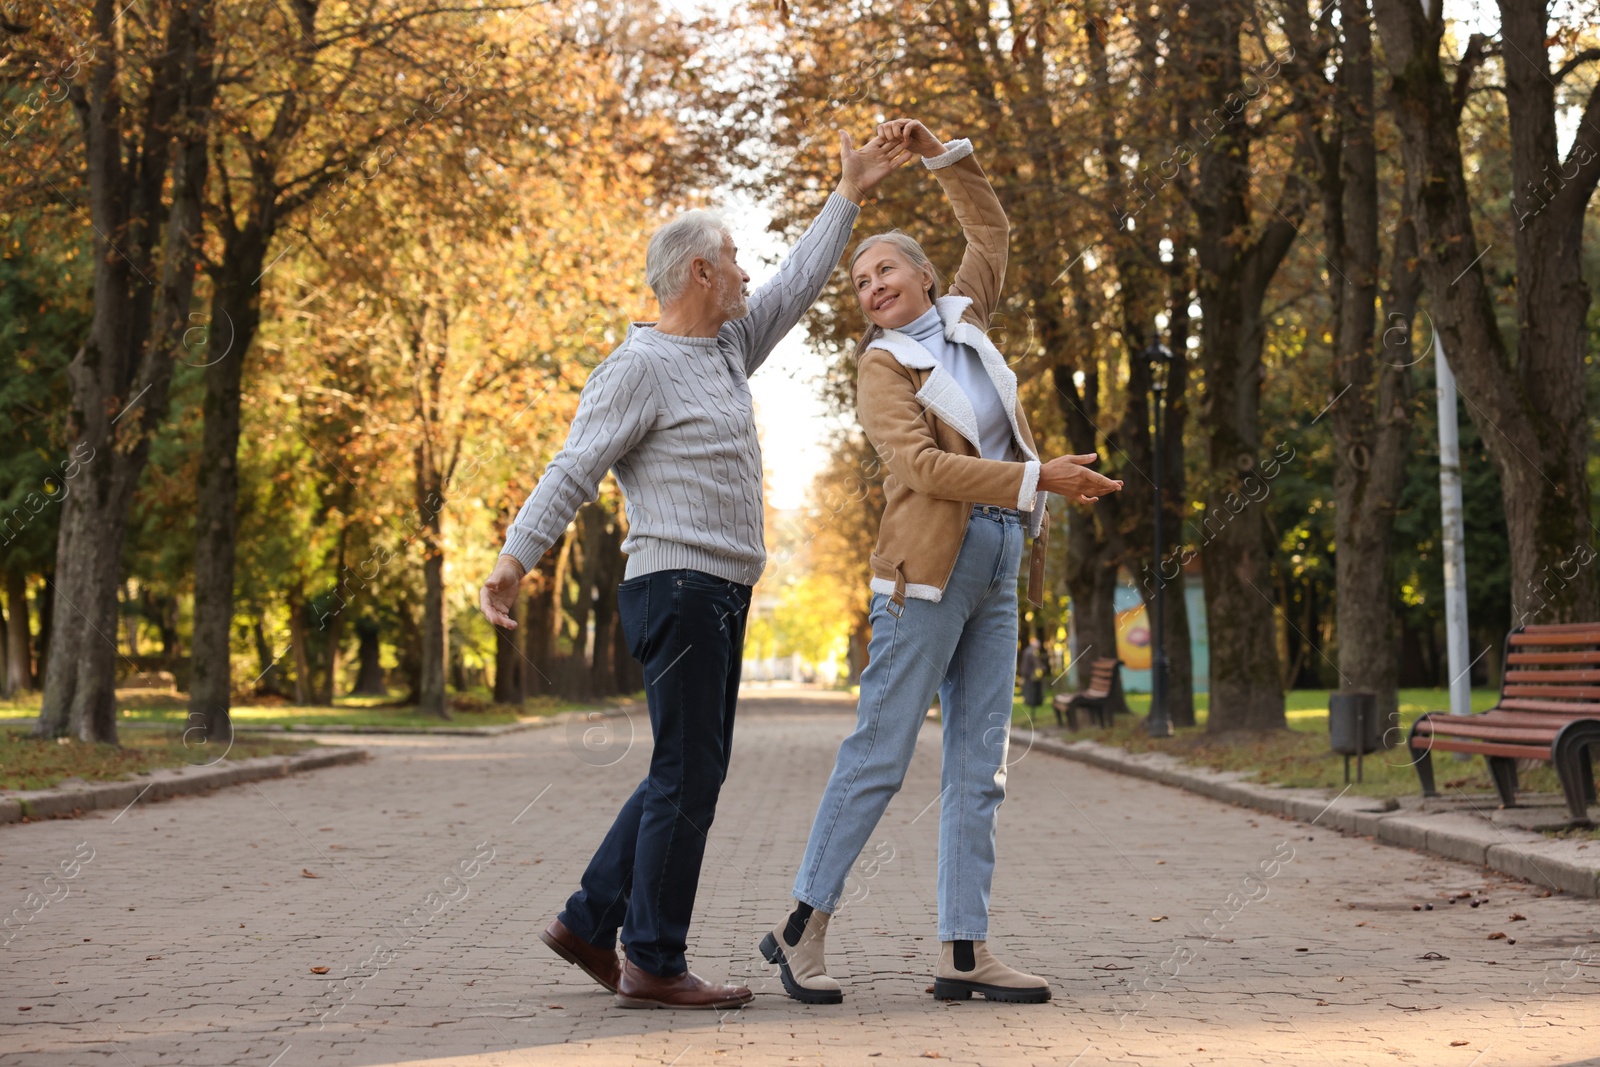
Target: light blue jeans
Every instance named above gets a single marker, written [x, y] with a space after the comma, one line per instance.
[964, 647]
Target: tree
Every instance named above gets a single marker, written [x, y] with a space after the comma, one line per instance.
[1371, 403]
[143, 170]
[1239, 257]
[1526, 393]
[44, 313]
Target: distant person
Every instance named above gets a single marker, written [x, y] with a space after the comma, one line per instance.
[939, 404]
[1032, 671]
[670, 412]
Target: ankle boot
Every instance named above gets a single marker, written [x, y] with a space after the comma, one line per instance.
[804, 972]
[967, 967]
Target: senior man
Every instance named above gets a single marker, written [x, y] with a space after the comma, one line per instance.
[669, 410]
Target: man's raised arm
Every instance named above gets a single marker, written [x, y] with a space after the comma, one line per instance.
[616, 410]
[777, 306]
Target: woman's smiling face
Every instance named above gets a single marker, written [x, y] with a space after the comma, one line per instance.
[891, 290]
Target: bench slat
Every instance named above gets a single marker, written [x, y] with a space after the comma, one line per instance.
[1526, 735]
[1552, 658]
[1588, 635]
[1481, 748]
[1576, 709]
[1553, 677]
[1558, 692]
[1559, 627]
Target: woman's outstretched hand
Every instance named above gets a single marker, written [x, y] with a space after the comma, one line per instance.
[1069, 477]
[861, 169]
[912, 135]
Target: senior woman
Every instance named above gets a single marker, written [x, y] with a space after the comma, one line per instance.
[939, 404]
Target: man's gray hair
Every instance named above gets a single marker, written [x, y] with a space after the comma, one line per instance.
[692, 235]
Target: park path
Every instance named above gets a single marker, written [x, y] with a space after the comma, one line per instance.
[190, 929]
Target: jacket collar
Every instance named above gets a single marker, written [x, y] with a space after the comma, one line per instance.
[941, 393]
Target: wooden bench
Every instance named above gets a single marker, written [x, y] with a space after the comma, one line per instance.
[1549, 709]
[1102, 697]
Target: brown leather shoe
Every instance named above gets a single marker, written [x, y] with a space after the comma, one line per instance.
[641, 989]
[598, 963]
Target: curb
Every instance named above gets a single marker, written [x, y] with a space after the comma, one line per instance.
[27, 805]
[558, 719]
[1519, 853]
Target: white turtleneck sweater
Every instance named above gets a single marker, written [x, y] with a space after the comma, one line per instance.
[966, 366]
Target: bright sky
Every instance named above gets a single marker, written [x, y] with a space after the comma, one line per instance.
[792, 418]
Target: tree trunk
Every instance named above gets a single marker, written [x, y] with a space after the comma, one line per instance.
[331, 623]
[602, 679]
[45, 597]
[120, 377]
[410, 653]
[1533, 411]
[538, 629]
[860, 643]
[1246, 692]
[369, 655]
[431, 696]
[1369, 410]
[297, 644]
[268, 681]
[235, 315]
[19, 655]
[1091, 568]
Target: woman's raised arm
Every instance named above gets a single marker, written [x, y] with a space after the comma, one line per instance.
[983, 221]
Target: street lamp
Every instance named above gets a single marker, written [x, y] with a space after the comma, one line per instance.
[1159, 723]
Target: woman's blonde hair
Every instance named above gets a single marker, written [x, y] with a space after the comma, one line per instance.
[907, 246]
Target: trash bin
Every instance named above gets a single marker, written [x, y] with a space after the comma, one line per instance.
[1354, 728]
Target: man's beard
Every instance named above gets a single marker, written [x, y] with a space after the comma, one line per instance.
[733, 304]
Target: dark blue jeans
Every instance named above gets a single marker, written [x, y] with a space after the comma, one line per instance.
[687, 629]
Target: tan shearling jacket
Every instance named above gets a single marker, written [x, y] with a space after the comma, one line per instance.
[922, 424]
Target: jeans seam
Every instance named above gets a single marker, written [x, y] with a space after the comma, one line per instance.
[672, 831]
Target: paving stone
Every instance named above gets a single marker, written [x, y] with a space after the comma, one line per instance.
[1087, 859]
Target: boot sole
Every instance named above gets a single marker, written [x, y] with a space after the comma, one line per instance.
[956, 989]
[560, 950]
[720, 1005]
[774, 954]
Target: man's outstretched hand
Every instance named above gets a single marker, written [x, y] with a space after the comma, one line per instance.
[861, 169]
[1069, 477]
[499, 594]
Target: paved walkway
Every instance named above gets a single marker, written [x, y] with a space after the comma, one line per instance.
[188, 930]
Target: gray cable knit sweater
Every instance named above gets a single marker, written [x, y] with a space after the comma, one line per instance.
[673, 417]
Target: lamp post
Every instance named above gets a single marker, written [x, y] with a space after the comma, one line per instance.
[1158, 723]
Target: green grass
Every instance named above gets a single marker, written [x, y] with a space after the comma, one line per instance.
[1300, 755]
[29, 763]
[139, 706]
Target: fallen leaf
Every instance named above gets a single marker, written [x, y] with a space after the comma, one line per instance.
[319, 970]
[1158, 918]
[1518, 917]
[307, 874]
[1457, 1044]
[25, 1007]
[1497, 936]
